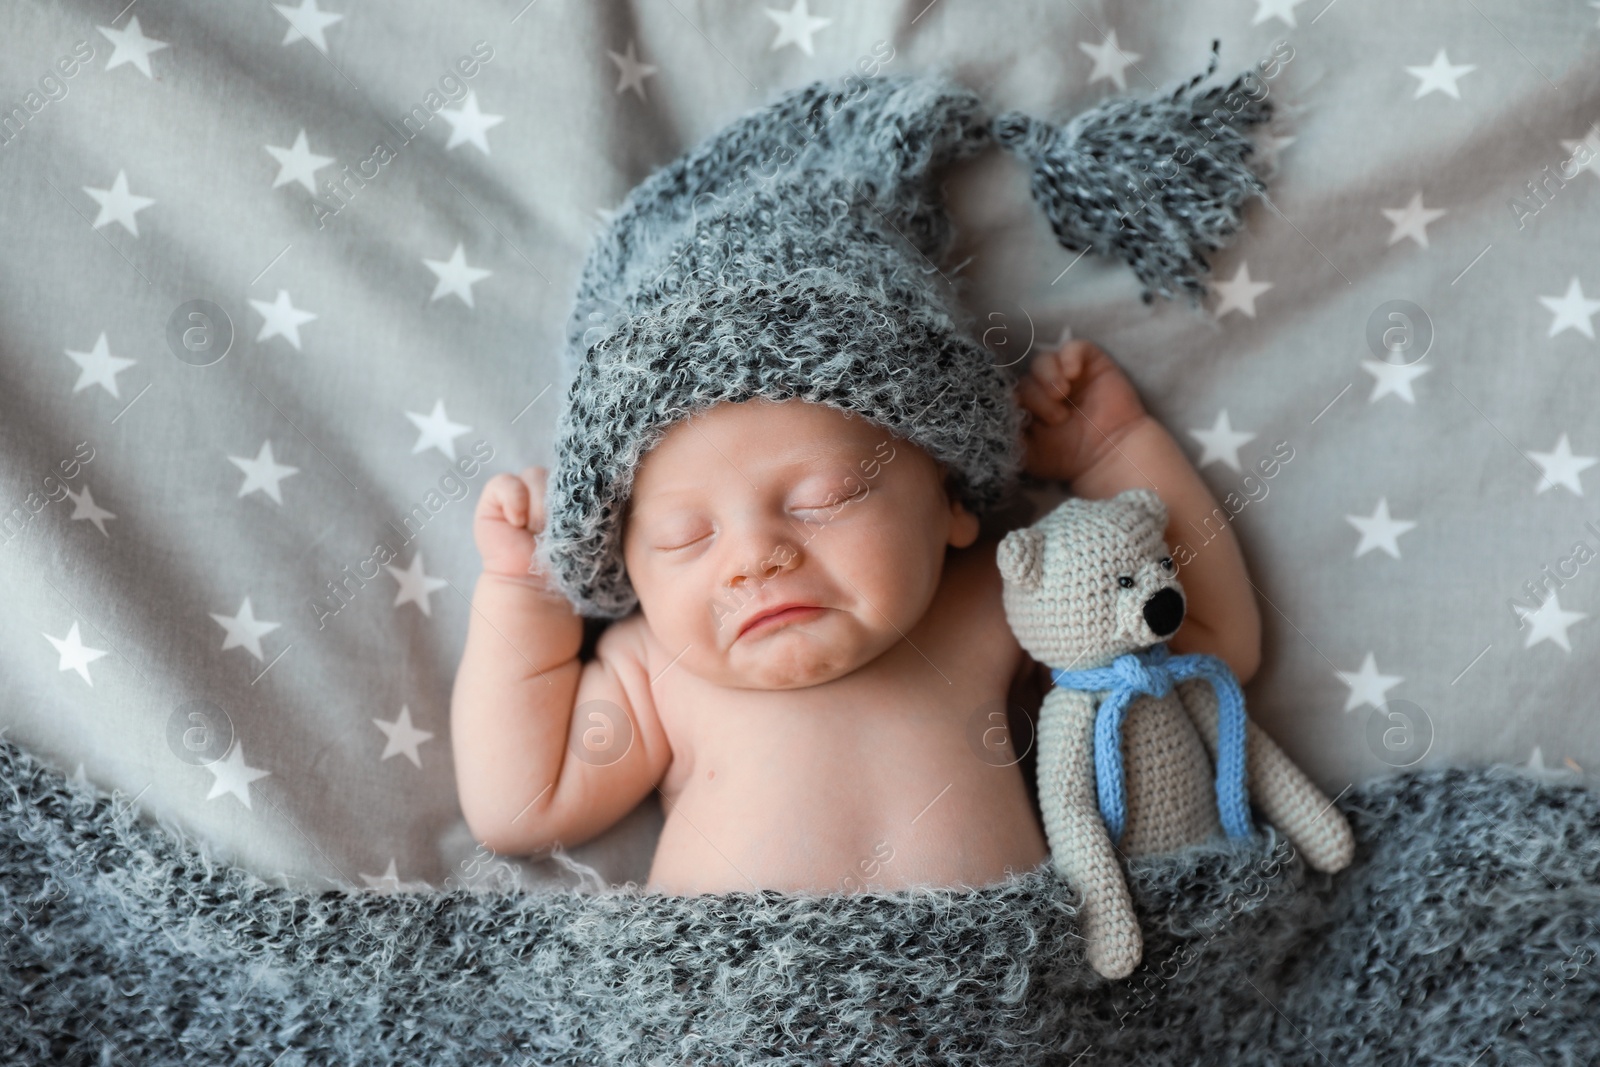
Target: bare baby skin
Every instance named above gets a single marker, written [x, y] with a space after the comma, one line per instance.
[819, 622]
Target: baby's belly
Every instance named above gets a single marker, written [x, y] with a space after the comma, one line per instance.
[819, 821]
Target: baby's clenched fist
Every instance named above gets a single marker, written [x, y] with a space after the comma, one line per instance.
[1079, 404]
[510, 513]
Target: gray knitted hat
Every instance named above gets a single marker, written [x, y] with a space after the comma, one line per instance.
[790, 256]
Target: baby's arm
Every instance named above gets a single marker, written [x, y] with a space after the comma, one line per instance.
[521, 781]
[1090, 429]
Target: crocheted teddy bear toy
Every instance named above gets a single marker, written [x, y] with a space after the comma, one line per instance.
[1140, 751]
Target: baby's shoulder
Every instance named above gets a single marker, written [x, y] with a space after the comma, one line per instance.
[625, 642]
[623, 653]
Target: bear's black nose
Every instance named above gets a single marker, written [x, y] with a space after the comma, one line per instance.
[1164, 611]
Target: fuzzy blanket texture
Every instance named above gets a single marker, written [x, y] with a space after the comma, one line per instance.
[1465, 932]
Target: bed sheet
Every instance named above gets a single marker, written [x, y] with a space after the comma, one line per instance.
[285, 283]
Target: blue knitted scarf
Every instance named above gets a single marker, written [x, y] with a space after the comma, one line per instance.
[1155, 671]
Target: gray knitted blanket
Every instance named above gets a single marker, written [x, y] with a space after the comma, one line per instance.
[1465, 932]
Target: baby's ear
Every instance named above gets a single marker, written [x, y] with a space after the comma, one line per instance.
[1020, 557]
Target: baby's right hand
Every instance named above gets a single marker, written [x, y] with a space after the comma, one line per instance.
[510, 512]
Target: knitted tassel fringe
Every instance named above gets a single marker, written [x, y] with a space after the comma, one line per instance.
[1155, 182]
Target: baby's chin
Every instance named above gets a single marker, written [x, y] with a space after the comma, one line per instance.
[794, 658]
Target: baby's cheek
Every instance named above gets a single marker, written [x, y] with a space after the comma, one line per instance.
[896, 575]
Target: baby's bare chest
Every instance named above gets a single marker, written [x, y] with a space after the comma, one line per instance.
[902, 719]
[902, 774]
[887, 790]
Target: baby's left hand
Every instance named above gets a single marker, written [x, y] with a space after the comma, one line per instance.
[1080, 403]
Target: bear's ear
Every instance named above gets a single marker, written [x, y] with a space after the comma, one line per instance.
[1149, 502]
[1020, 557]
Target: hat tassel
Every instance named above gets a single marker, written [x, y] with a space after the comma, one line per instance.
[1156, 182]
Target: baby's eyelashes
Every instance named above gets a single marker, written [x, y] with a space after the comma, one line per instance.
[680, 541]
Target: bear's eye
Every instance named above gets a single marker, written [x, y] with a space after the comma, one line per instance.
[1125, 581]
[1166, 563]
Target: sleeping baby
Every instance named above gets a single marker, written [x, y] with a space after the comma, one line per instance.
[776, 443]
[818, 622]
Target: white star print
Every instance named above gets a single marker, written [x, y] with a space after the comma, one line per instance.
[117, 204]
[1268, 147]
[403, 737]
[1275, 9]
[1592, 140]
[1110, 61]
[1221, 442]
[263, 473]
[1393, 378]
[233, 775]
[436, 431]
[1535, 767]
[455, 276]
[1239, 293]
[132, 46]
[1561, 467]
[1367, 686]
[633, 73]
[389, 881]
[1439, 75]
[282, 319]
[297, 163]
[1550, 622]
[1573, 310]
[1378, 530]
[99, 367]
[470, 124]
[75, 655]
[84, 507]
[415, 585]
[1412, 220]
[307, 22]
[244, 630]
[795, 26]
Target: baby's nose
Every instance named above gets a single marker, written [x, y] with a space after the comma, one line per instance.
[764, 565]
[1164, 611]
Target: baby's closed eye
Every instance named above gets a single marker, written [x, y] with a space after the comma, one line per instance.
[828, 493]
[670, 537]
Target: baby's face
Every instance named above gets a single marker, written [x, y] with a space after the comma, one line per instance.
[750, 506]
